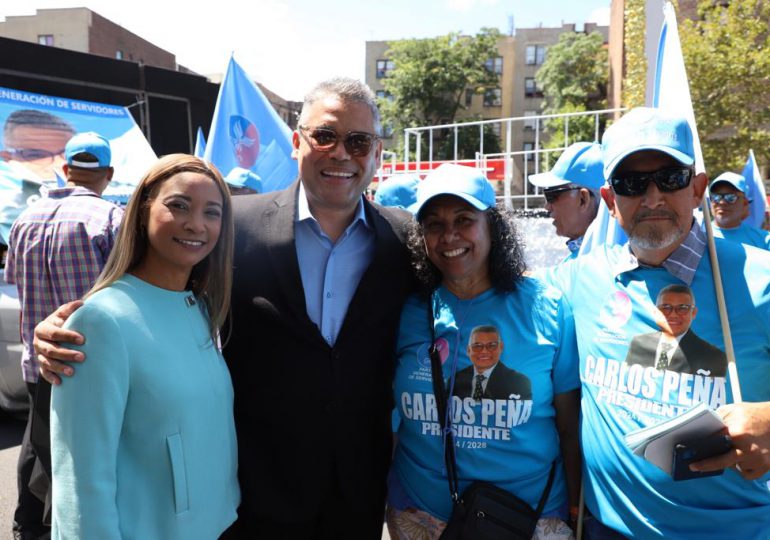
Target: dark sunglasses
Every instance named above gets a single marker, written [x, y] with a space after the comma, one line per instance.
[729, 198]
[32, 154]
[552, 194]
[491, 346]
[634, 184]
[681, 309]
[357, 143]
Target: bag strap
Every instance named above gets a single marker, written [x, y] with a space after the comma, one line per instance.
[442, 402]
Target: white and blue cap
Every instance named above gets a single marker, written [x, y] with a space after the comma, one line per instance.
[399, 191]
[470, 184]
[735, 180]
[239, 177]
[90, 143]
[647, 128]
[580, 164]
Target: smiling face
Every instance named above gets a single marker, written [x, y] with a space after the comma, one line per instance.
[335, 180]
[675, 323]
[727, 215]
[656, 222]
[182, 224]
[457, 241]
[484, 350]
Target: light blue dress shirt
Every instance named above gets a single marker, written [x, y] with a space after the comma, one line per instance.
[330, 270]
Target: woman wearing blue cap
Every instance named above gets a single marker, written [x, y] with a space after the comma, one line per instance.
[486, 356]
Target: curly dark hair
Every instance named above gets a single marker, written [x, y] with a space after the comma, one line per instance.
[506, 253]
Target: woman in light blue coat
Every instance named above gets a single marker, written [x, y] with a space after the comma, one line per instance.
[142, 439]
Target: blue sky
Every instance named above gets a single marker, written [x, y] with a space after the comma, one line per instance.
[288, 45]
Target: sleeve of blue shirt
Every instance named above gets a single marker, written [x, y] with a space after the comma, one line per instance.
[86, 420]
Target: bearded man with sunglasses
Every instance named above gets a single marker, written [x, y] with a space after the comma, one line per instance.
[730, 208]
[648, 161]
[320, 276]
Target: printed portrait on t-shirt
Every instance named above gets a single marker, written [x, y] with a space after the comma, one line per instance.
[488, 377]
[676, 347]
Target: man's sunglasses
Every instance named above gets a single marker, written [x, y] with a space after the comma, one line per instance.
[729, 198]
[680, 309]
[357, 143]
[32, 154]
[490, 346]
[554, 193]
[634, 184]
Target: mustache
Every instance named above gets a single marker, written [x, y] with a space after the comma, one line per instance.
[644, 214]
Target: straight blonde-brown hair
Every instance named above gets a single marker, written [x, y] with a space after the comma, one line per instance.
[211, 279]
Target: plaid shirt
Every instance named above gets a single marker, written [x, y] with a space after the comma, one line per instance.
[56, 250]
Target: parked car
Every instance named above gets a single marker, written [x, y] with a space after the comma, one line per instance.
[13, 392]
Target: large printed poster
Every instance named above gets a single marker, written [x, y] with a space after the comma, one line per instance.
[35, 129]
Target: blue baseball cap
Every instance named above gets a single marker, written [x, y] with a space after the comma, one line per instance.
[580, 164]
[90, 143]
[646, 128]
[470, 184]
[239, 177]
[735, 180]
[399, 191]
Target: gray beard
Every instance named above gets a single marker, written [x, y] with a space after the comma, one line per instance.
[654, 239]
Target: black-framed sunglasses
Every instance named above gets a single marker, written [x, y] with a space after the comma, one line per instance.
[552, 194]
[634, 184]
[680, 309]
[32, 154]
[490, 346]
[357, 143]
[729, 198]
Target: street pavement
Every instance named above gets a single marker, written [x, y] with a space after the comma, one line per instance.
[11, 431]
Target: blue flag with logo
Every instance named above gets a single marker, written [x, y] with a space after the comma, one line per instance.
[755, 191]
[246, 132]
[200, 144]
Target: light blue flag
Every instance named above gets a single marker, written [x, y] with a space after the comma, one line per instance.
[603, 231]
[200, 144]
[755, 190]
[247, 132]
[60, 180]
[671, 90]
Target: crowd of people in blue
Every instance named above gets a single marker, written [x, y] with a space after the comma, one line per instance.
[267, 365]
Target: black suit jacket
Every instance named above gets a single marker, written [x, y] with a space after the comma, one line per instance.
[312, 419]
[503, 382]
[692, 354]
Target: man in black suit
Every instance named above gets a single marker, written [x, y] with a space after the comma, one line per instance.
[488, 377]
[319, 278]
[677, 347]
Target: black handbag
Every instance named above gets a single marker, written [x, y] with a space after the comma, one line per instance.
[483, 511]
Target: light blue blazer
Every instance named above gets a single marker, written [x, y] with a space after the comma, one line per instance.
[142, 437]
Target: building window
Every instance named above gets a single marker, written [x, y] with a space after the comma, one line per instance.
[535, 55]
[495, 65]
[119, 55]
[493, 97]
[384, 95]
[496, 128]
[45, 39]
[529, 148]
[468, 97]
[531, 89]
[532, 124]
[384, 67]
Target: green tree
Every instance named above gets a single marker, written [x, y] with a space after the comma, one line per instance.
[573, 78]
[727, 55]
[428, 83]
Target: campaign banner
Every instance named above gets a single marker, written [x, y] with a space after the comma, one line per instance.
[36, 128]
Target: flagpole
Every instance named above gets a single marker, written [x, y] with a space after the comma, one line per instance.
[732, 370]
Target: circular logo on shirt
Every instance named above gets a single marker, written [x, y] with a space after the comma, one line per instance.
[616, 310]
[423, 357]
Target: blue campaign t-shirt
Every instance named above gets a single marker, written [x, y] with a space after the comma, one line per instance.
[618, 333]
[745, 234]
[505, 435]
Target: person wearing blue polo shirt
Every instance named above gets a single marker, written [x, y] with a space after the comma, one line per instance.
[653, 189]
[571, 191]
[730, 207]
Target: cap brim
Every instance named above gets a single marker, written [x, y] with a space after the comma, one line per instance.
[681, 157]
[547, 180]
[417, 207]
